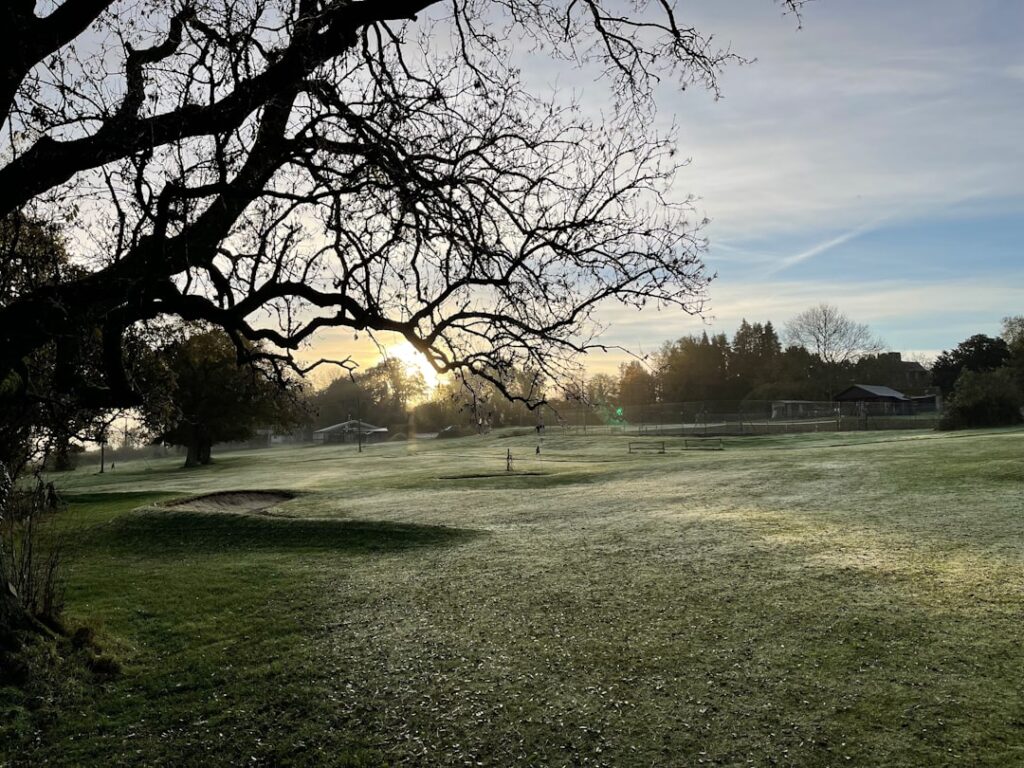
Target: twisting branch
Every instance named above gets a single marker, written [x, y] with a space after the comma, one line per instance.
[276, 168]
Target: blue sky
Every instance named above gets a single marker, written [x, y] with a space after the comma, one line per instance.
[872, 159]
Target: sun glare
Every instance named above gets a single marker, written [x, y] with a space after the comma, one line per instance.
[415, 362]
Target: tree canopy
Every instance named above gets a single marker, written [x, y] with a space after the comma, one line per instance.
[835, 338]
[978, 353]
[212, 399]
[274, 167]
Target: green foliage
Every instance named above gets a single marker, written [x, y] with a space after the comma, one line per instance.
[753, 365]
[1013, 335]
[637, 385]
[33, 255]
[216, 399]
[978, 353]
[985, 399]
[475, 405]
[382, 395]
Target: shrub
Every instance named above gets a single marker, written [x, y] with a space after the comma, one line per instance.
[31, 555]
[398, 437]
[986, 399]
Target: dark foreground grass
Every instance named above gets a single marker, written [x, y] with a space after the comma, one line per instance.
[784, 602]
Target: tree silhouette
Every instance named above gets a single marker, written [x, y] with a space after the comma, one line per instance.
[274, 167]
[836, 339]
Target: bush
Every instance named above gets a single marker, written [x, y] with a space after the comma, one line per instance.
[31, 555]
[398, 437]
[987, 399]
[65, 459]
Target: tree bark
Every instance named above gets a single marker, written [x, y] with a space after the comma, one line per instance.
[199, 449]
[192, 457]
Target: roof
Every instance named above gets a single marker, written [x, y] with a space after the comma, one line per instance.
[875, 391]
[351, 426]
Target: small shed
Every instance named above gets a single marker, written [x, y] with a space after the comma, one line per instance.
[882, 399]
[349, 432]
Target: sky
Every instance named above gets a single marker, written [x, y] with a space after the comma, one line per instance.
[871, 157]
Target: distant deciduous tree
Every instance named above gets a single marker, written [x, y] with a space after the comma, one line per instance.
[214, 399]
[836, 339]
[637, 385]
[1013, 335]
[601, 389]
[382, 395]
[831, 335]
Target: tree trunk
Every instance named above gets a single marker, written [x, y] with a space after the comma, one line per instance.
[198, 452]
[192, 457]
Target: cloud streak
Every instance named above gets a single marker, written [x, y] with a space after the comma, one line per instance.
[820, 248]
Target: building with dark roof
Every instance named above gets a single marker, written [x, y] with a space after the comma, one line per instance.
[876, 395]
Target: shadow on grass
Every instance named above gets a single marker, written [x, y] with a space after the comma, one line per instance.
[532, 479]
[108, 497]
[159, 532]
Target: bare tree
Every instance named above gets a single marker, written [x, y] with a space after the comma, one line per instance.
[833, 337]
[274, 167]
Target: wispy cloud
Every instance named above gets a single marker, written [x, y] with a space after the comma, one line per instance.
[885, 109]
[820, 248]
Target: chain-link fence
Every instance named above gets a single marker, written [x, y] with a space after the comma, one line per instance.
[746, 417]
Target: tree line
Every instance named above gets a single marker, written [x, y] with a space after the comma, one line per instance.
[983, 377]
[819, 353]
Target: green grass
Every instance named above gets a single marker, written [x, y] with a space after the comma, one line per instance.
[824, 599]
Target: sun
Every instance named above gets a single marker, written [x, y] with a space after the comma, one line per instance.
[414, 362]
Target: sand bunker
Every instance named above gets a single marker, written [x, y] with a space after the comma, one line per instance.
[234, 501]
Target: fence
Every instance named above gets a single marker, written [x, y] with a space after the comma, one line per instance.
[747, 417]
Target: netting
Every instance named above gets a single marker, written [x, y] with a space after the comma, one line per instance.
[716, 417]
